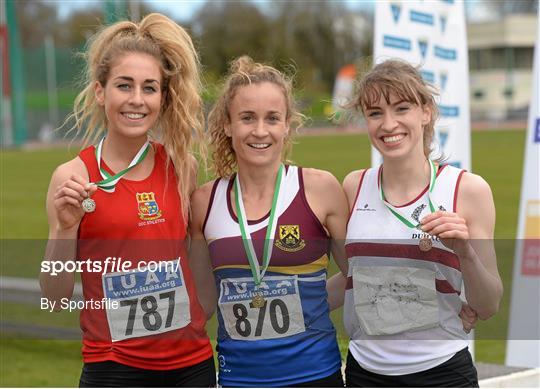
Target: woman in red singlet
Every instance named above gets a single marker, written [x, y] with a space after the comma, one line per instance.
[119, 210]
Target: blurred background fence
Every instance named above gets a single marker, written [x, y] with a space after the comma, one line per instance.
[50, 75]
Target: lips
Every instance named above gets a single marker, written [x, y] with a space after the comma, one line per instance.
[259, 146]
[134, 115]
[392, 138]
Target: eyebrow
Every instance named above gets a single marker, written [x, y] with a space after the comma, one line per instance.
[393, 105]
[253, 112]
[126, 78]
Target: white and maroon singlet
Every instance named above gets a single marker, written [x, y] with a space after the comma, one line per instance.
[401, 304]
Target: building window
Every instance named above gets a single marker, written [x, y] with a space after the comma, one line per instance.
[478, 94]
[508, 92]
[523, 57]
[501, 58]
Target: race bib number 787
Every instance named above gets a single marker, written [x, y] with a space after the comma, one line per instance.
[149, 302]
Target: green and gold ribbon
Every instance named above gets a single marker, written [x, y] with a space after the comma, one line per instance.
[256, 270]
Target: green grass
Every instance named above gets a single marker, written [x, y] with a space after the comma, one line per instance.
[25, 175]
[39, 363]
[16, 312]
[40, 99]
[25, 179]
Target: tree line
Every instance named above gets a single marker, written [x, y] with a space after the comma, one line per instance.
[312, 39]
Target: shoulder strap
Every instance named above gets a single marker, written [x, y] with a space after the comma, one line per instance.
[89, 159]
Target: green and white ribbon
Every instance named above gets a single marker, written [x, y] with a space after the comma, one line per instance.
[109, 181]
[399, 215]
[256, 271]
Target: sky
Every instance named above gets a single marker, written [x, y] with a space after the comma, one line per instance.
[178, 9]
[184, 10]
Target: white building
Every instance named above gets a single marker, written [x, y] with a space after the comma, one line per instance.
[500, 62]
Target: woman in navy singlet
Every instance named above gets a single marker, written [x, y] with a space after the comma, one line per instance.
[418, 231]
[120, 210]
[261, 240]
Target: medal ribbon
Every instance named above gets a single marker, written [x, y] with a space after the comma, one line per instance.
[109, 181]
[395, 212]
[256, 271]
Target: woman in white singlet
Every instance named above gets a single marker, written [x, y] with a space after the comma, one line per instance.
[418, 231]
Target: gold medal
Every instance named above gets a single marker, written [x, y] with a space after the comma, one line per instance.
[258, 301]
[88, 205]
[425, 243]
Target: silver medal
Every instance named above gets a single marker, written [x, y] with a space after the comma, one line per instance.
[88, 205]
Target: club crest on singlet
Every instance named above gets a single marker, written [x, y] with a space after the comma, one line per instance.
[148, 206]
[289, 238]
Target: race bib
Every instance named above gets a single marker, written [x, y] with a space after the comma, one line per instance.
[280, 316]
[389, 299]
[149, 302]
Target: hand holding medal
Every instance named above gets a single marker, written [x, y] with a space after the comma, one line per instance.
[109, 181]
[69, 200]
[73, 197]
[450, 228]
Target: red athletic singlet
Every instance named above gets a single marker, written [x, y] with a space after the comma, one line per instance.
[151, 318]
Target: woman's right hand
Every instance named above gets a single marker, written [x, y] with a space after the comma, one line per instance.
[67, 201]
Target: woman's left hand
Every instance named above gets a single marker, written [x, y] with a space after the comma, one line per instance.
[468, 317]
[450, 228]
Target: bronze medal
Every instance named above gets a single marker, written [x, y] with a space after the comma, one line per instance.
[425, 244]
[258, 301]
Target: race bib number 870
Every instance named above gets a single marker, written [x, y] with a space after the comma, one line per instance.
[149, 302]
[280, 316]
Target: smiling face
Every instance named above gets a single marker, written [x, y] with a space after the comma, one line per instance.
[132, 95]
[395, 127]
[258, 124]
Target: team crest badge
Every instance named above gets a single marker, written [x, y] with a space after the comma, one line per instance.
[148, 206]
[289, 238]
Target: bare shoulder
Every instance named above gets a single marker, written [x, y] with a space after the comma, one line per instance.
[351, 183]
[200, 201]
[474, 197]
[352, 179]
[319, 179]
[202, 193]
[68, 169]
[473, 188]
[324, 194]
